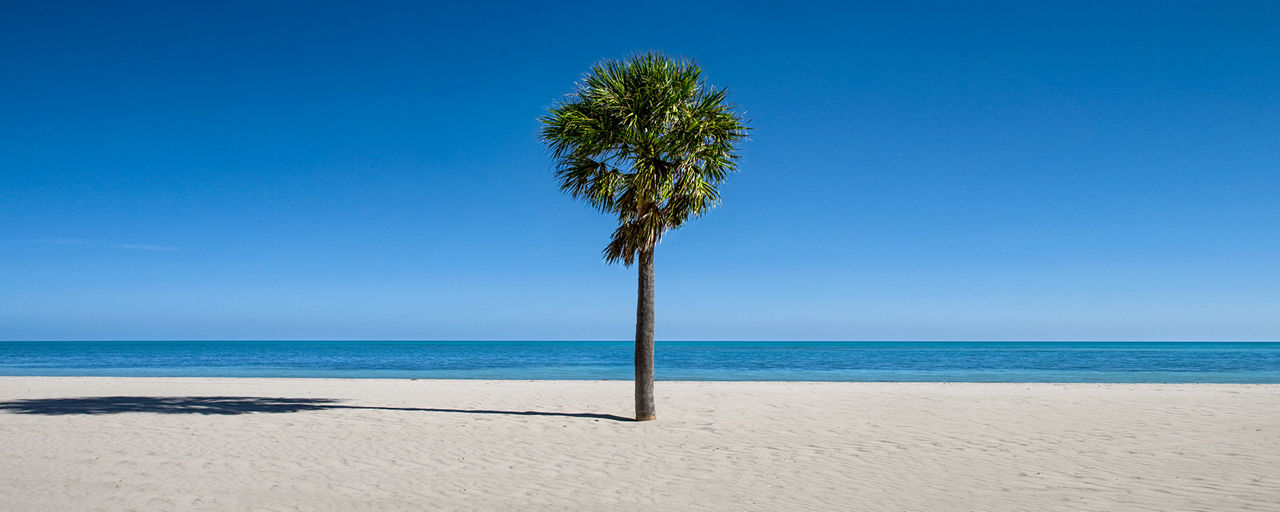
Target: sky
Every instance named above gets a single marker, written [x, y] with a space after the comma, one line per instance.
[372, 170]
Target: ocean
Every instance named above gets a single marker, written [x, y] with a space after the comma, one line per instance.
[1207, 362]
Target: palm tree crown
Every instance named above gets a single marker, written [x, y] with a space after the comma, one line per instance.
[647, 140]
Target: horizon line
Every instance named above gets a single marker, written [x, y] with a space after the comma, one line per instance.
[548, 340]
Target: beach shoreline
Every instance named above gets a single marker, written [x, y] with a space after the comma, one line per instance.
[182, 443]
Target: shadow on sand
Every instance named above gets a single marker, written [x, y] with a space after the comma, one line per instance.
[229, 405]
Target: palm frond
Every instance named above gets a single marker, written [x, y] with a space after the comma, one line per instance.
[645, 139]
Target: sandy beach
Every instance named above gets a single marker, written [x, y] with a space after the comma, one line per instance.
[328, 444]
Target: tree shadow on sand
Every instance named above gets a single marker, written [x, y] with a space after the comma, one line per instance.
[228, 405]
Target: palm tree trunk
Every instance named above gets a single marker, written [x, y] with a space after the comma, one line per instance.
[644, 340]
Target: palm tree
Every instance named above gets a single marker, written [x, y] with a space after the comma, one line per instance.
[647, 140]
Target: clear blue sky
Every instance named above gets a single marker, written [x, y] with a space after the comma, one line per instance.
[269, 170]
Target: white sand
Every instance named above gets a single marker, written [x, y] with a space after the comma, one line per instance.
[716, 446]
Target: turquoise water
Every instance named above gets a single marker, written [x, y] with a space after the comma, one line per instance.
[788, 361]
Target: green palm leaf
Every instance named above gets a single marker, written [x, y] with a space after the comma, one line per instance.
[645, 139]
